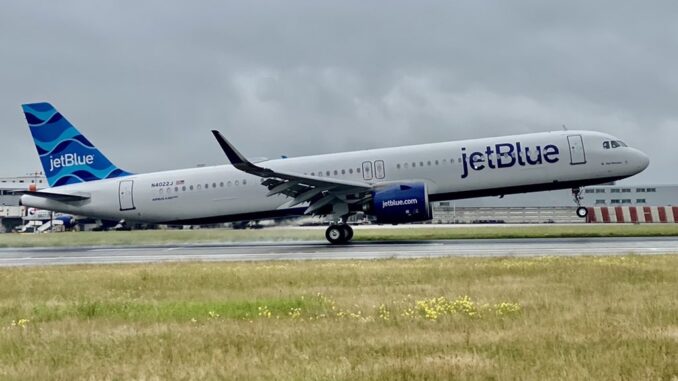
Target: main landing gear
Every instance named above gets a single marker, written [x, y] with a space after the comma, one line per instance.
[582, 212]
[338, 234]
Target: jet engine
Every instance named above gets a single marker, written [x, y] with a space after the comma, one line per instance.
[400, 203]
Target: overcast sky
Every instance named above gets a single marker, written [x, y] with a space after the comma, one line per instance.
[146, 81]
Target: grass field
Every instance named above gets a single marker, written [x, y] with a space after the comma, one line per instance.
[480, 319]
[363, 233]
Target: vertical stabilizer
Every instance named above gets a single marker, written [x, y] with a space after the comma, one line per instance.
[67, 157]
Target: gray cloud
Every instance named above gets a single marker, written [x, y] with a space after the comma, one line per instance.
[146, 81]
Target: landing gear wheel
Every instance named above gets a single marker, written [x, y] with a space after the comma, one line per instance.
[349, 232]
[336, 234]
[339, 233]
[582, 212]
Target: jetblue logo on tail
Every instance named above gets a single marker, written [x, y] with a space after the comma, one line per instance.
[66, 155]
[69, 160]
[507, 155]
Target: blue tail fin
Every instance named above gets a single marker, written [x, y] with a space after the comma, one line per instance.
[67, 156]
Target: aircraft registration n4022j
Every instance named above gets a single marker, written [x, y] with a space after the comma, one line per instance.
[392, 185]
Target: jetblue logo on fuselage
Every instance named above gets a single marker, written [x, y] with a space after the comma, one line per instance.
[507, 155]
[69, 160]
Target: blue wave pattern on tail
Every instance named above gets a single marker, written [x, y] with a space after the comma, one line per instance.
[67, 157]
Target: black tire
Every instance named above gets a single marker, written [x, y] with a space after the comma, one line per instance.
[335, 234]
[348, 230]
[582, 212]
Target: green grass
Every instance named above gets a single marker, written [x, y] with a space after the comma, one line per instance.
[455, 318]
[162, 237]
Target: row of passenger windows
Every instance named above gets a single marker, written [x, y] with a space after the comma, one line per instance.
[336, 172]
[427, 163]
[198, 187]
[358, 170]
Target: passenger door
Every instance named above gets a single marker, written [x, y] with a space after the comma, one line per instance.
[367, 170]
[577, 154]
[125, 195]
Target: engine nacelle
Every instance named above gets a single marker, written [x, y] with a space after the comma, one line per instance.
[401, 203]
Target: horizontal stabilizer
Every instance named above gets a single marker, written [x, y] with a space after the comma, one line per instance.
[54, 196]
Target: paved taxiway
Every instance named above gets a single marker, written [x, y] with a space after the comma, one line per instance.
[321, 250]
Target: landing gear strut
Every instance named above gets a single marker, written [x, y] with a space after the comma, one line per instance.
[338, 234]
[582, 212]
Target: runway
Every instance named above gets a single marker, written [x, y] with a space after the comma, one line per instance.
[323, 251]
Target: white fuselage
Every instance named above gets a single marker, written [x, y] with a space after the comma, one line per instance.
[451, 170]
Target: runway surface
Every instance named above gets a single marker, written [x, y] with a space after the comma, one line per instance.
[324, 251]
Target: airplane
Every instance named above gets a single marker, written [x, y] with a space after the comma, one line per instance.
[392, 185]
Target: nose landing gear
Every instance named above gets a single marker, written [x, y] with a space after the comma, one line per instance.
[582, 212]
[338, 234]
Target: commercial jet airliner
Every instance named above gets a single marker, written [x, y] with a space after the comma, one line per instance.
[392, 185]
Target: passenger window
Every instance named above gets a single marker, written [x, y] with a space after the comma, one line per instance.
[428, 163]
[336, 172]
[327, 173]
[606, 145]
[214, 185]
[414, 165]
[343, 171]
[183, 189]
[229, 183]
[398, 166]
[221, 184]
[199, 187]
[357, 170]
[437, 162]
[244, 182]
[350, 170]
[191, 187]
[237, 182]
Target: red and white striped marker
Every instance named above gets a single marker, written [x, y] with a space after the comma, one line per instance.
[633, 214]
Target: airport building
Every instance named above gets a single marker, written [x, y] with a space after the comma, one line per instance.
[559, 206]
[11, 213]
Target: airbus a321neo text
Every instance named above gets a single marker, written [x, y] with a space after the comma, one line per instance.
[392, 185]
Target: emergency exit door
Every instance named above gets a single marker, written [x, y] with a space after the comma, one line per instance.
[125, 195]
[577, 154]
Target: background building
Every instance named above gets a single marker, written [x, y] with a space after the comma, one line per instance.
[554, 206]
[10, 212]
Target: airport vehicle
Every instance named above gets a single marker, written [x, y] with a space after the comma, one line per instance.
[393, 185]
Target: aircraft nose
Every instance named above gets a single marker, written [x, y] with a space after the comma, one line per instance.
[643, 160]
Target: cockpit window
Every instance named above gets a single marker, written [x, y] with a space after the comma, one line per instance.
[614, 144]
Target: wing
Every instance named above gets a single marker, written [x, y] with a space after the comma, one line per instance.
[323, 194]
